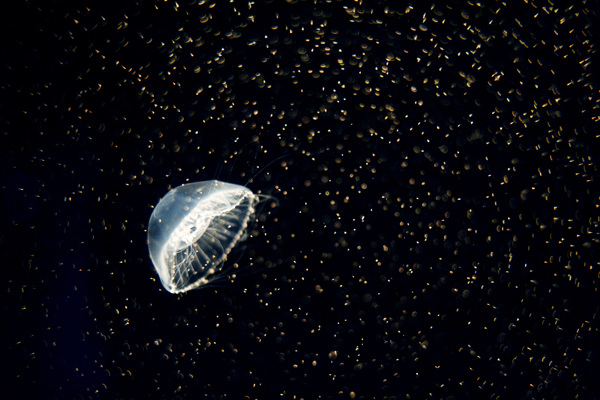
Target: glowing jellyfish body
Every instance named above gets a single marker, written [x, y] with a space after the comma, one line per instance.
[193, 229]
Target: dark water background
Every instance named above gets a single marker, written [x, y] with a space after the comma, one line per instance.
[437, 228]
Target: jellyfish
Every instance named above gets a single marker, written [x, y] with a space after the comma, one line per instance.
[194, 227]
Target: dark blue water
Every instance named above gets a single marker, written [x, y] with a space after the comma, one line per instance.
[439, 243]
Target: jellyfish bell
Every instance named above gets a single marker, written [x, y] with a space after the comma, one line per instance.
[193, 229]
